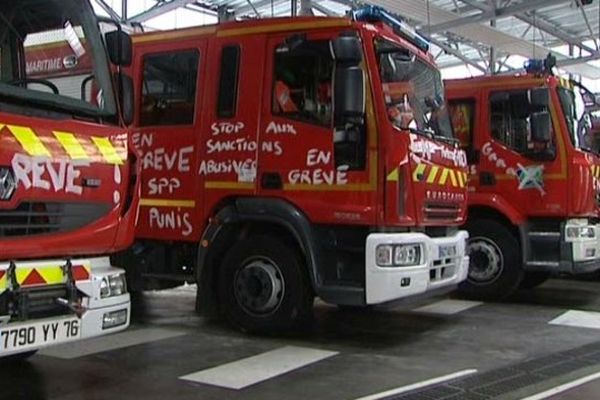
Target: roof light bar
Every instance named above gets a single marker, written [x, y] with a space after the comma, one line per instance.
[538, 66]
[400, 27]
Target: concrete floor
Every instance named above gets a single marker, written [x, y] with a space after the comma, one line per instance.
[369, 352]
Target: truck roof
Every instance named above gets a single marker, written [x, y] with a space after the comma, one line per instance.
[503, 80]
[246, 27]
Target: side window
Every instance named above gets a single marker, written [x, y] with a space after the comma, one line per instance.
[510, 118]
[228, 82]
[462, 113]
[169, 88]
[302, 87]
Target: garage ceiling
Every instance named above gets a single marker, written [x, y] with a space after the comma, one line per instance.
[488, 35]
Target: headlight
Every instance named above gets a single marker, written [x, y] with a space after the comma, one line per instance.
[575, 232]
[113, 285]
[403, 255]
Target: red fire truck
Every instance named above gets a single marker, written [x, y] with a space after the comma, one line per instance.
[68, 196]
[289, 158]
[533, 189]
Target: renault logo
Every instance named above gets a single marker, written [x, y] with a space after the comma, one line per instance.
[7, 184]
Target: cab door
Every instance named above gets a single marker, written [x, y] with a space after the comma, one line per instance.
[298, 157]
[169, 97]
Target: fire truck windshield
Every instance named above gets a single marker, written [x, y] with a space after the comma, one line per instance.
[52, 56]
[578, 120]
[413, 90]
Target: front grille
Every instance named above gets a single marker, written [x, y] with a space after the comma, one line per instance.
[441, 211]
[39, 218]
[34, 303]
[443, 269]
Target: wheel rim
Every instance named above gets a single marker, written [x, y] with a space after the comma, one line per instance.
[259, 287]
[486, 261]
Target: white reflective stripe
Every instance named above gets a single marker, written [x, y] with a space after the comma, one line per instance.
[578, 319]
[255, 369]
[419, 385]
[115, 341]
[563, 388]
[448, 307]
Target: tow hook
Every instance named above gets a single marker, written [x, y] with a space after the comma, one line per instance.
[75, 307]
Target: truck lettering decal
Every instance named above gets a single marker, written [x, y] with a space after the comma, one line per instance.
[488, 151]
[158, 186]
[171, 220]
[272, 147]
[234, 145]
[212, 167]
[283, 128]
[316, 157]
[426, 149]
[44, 173]
[92, 149]
[162, 160]
[319, 176]
[226, 128]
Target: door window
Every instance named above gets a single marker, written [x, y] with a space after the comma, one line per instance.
[169, 88]
[302, 87]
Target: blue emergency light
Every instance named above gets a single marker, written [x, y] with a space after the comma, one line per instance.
[375, 14]
[538, 66]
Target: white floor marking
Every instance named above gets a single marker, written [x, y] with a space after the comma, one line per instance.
[419, 385]
[562, 388]
[249, 371]
[448, 307]
[120, 340]
[580, 319]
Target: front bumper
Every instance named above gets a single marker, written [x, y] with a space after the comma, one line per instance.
[435, 272]
[574, 248]
[91, 318]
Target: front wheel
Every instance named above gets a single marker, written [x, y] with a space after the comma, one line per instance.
[263, 286]
[495, 267]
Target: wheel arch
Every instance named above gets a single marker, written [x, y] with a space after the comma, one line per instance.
[242, 217]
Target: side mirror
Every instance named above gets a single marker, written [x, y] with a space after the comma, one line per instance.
[349, 95]
[126, 95]
[120, 48]
[347, 50]
[540, 127]
[539, 97]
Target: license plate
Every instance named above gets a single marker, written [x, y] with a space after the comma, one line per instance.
[447, 251]
[38, 334]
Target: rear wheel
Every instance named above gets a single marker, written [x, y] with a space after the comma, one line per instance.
[533, 279]
[495, 269]
[263, 286]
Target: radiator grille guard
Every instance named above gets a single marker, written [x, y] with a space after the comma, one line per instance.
[37, 218]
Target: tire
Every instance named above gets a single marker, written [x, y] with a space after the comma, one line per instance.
[263, 286]
[495, 267]
[533, 279]
[19, 357]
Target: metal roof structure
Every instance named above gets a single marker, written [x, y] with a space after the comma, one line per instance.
[490, 36]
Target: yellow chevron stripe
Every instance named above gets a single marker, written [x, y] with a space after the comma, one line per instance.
[22, 274]
[394, 176]
[461, 182]
[52, 275]
[71, 145]
[3, 282]
[30, 142]
[108, 150]
[419, 171]
[444, 176]
[453, 181]
[466, 178]
[432, 174]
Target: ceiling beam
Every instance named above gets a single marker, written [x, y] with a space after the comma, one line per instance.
[496, 14]
[108, 9]
[457, 54]
[159, 9]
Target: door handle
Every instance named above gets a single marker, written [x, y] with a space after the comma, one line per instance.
[271, 180]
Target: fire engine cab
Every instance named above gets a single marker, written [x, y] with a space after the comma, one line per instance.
[294, 157]
[533, 189]
[68, 195]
